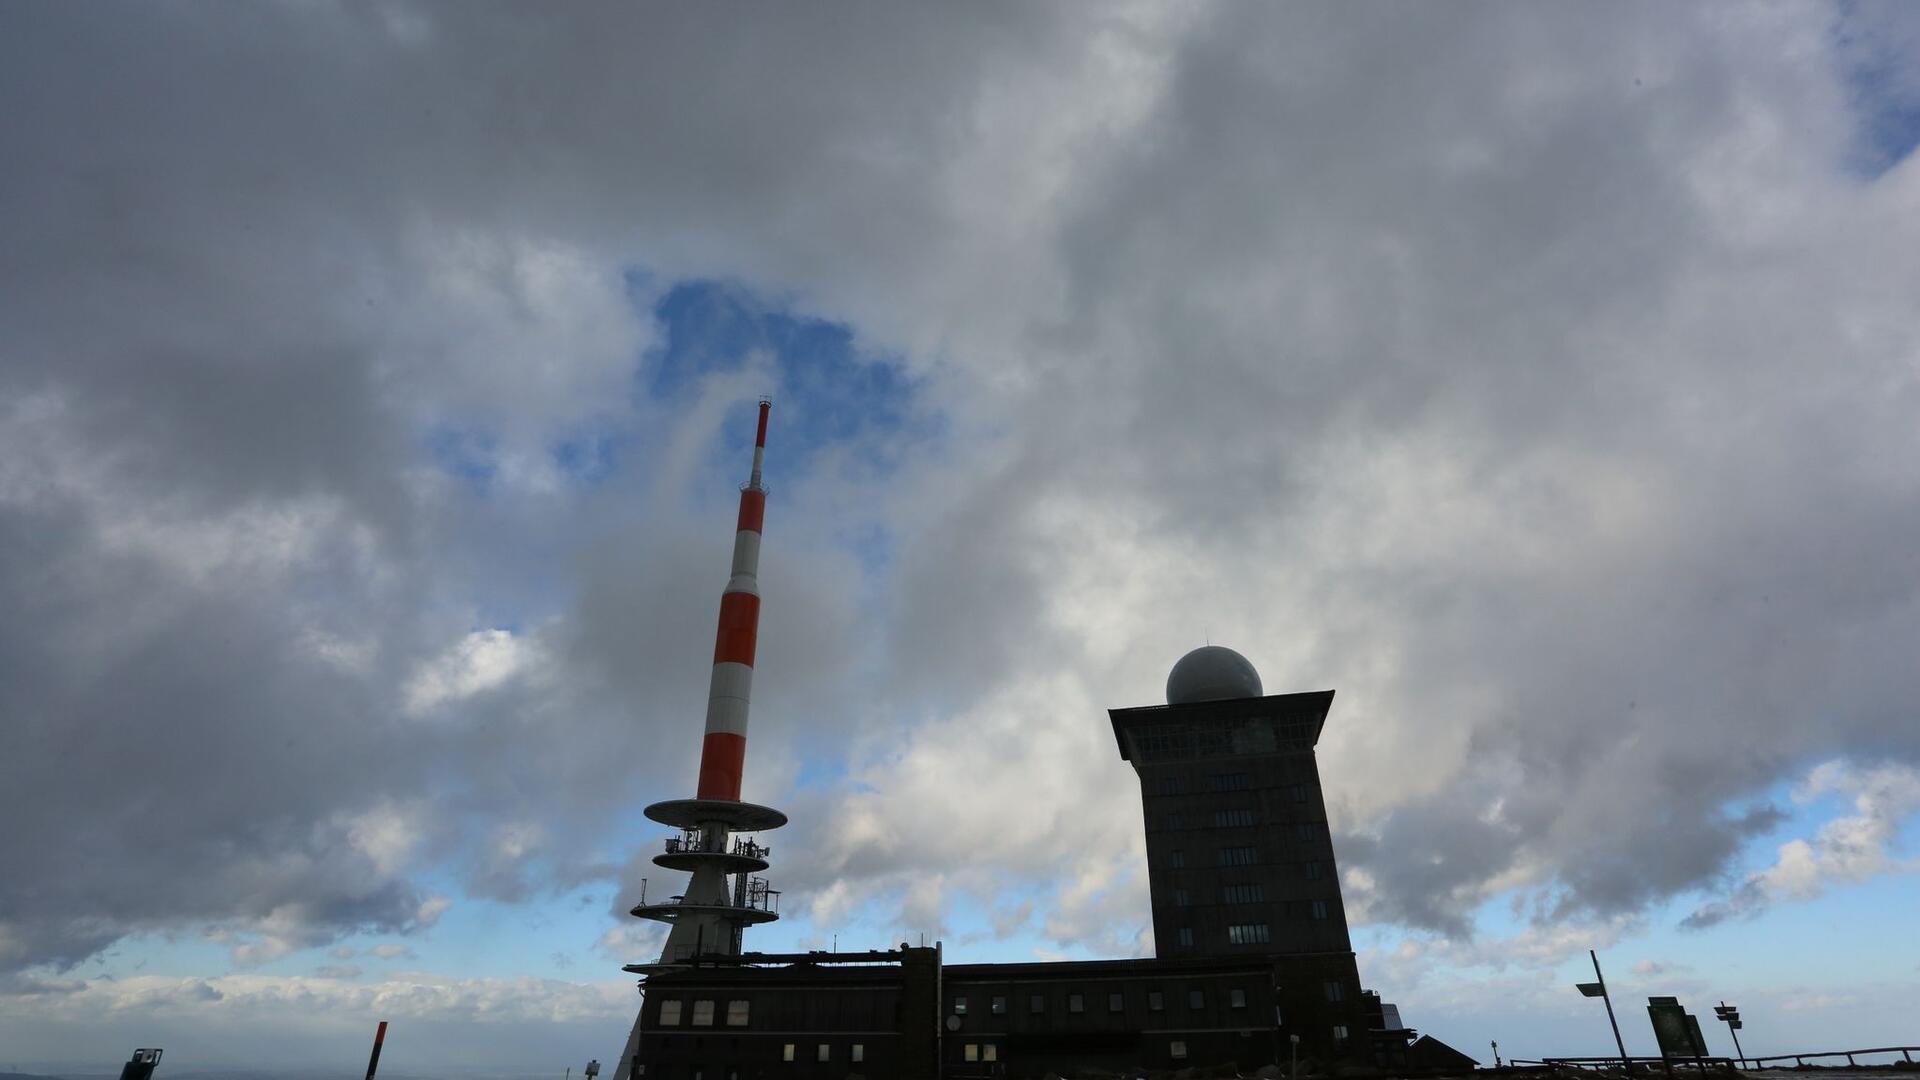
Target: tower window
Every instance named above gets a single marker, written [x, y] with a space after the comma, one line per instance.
[972, 1052]
[1247, 934]
[1181, 899]
[1298, 792]
[1237, 998]
[1186, 935]
[959, 1006]
[1243, 894]
[1076, 1003]
[1177, 1049]
[999, 1006]
[1336, 991]
[787, 1052]
[1155, 1002]
[989, 1051]
[858, 1053]
[1169, 785]
[736, 1014]
[1239, 856]
[1319, 909]
[1340, 1033]
[1196, 999]
[1304, 831]
[824, 1053]
[1226, 819]
[1173, 822]
[1037, 1003]
[670, 1013]
[703, 1014]
[1238, 781]
[1116, 1002]
[1176, 860]
[1316, 870]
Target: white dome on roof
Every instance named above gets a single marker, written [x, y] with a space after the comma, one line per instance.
[1211, 673]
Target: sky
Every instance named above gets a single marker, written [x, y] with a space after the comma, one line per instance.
[376, 380]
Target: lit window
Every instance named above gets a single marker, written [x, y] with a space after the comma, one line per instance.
[1248, 934]
[1176, 860]
[990, 1052]
[1319, 909]
[1076, 1003]
[670, 1013]
[824, 1053]
[736, 1014]
[959, 1006]
[1237, 998]
[1037, 1003]
[1186, 935]
[1177, 1050]
[1340, 1033]
[1154, 1001]
[1196, 999]
[1336, 991]
[858, 1053]
[786, 1052]
[973, 1052]
[999, 1006]
[1116, 1002]
[703, 1014]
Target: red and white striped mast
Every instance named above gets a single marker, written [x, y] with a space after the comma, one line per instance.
[723, 897]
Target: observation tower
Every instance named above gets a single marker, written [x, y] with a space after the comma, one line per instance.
[725, 895]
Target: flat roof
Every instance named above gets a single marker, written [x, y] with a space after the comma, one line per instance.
[1310, 706]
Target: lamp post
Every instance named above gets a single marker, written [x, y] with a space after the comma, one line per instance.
[1599, 990]
[1293, 1054]
[1731, 1014]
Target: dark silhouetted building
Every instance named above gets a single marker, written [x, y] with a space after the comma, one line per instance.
[1250, 936]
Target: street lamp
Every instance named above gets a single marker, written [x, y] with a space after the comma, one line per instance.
[1731, 1014]
[1599, 990]
[1294, 1053]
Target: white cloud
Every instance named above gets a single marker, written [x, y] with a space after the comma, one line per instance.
[1847, 850]
[482, 661]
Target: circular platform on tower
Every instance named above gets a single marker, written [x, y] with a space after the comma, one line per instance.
[674, 910]
[735, 816]
[730, 863]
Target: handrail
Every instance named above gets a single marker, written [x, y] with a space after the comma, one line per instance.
[1906, 1052]
[1759, 1062]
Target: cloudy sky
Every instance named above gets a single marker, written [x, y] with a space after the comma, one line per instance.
[375, 380]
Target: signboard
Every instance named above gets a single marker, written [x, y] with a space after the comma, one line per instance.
[1677, 1032]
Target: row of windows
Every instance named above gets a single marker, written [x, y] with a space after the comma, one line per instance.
[1248, 934]
[823, 1052]
[1177, 785]
[1116, 1002]
[737, 1012]
[1229, 894]
[1296, 909]
[1244, 855]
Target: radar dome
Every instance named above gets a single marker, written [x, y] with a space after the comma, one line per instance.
[1211, 673]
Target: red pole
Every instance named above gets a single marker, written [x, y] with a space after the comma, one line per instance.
[379, 1037]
